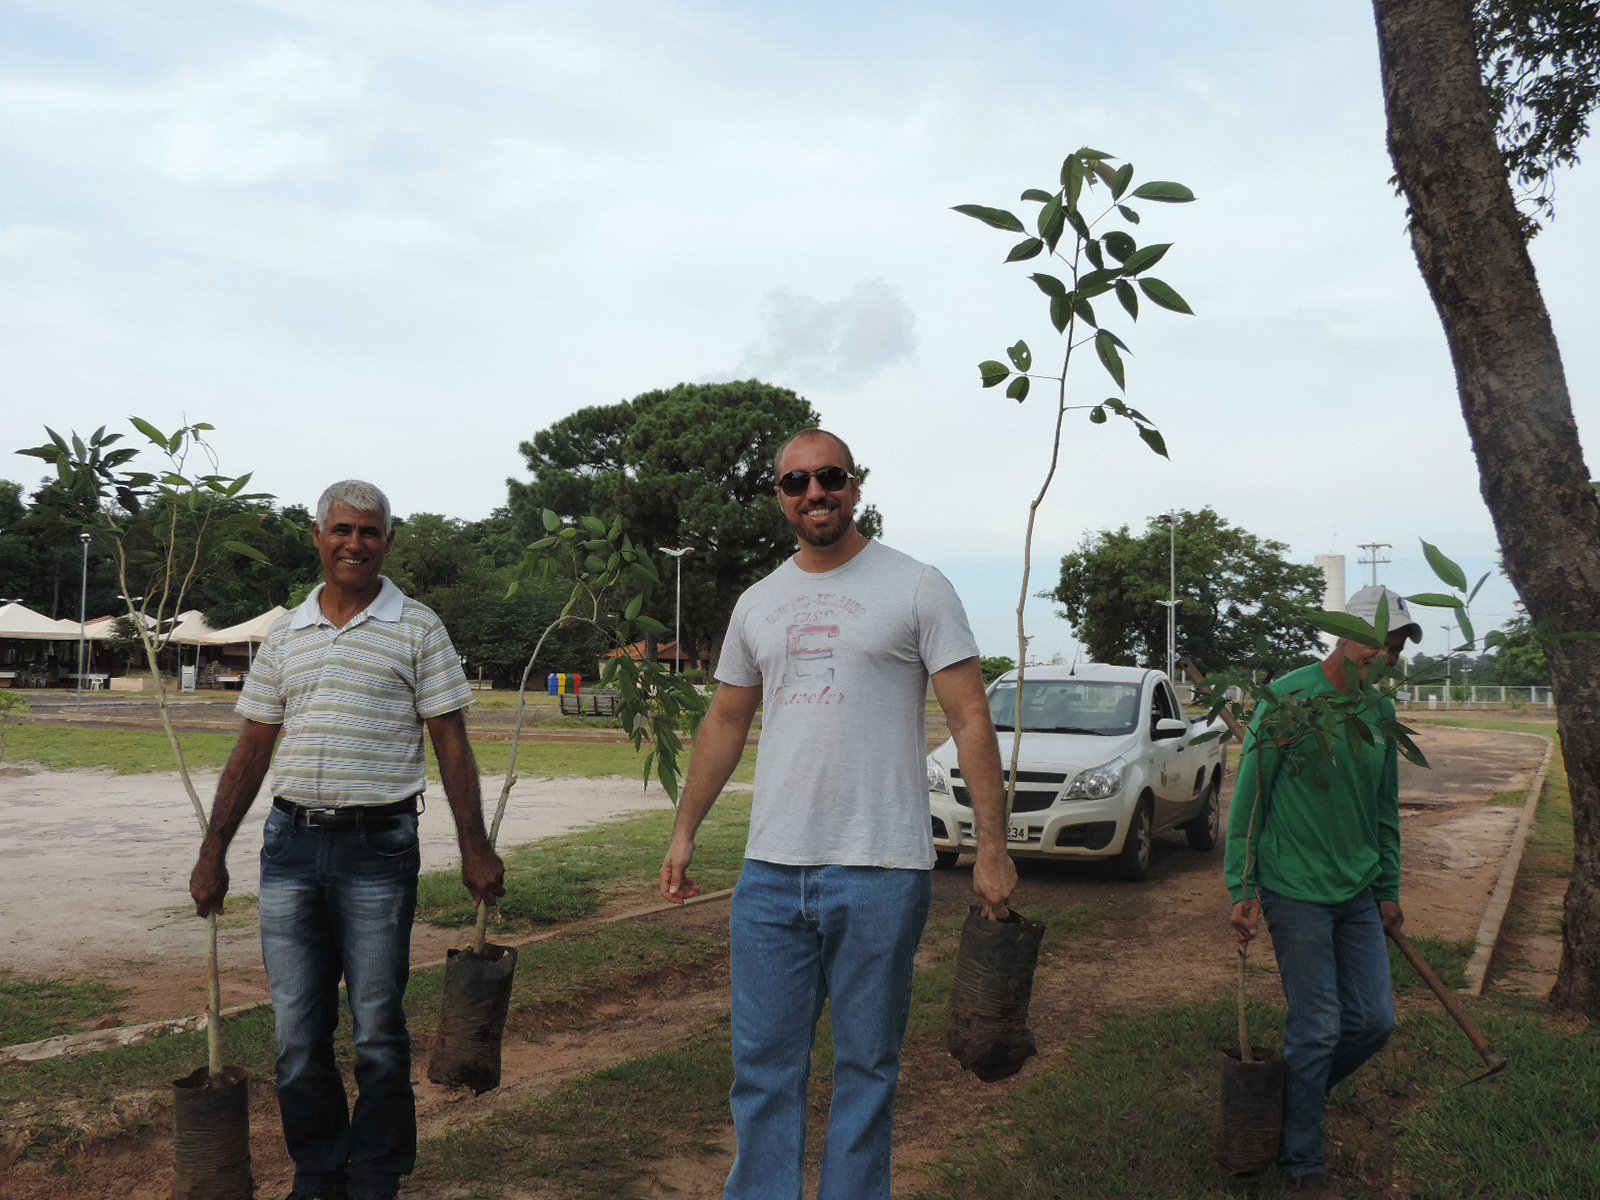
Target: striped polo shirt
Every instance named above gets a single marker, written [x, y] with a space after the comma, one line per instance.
[352, 701]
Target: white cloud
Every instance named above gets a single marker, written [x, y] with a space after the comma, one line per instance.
[832, 343]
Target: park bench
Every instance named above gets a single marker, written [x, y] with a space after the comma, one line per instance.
[601, 702]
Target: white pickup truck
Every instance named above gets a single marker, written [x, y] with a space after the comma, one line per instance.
[1108, 761]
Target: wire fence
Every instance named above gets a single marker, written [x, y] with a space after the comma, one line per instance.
[1438, 696]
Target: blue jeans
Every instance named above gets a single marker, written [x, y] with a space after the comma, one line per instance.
[340, 903]
[1335, 970]
[803, 935]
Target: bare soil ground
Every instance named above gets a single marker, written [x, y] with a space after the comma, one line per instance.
[1160, 942]
[113, 853]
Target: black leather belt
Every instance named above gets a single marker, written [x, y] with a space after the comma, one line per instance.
[376, 817]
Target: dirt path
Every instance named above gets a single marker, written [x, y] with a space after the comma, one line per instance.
[1159, 942]
[121, 847]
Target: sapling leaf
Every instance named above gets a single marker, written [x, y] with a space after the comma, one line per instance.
[1380, 618]
[1466, 627]
[1085, 312]
[1128, 298]
[1482, 579]
[634, 605]
[1021, 357]
[247, 551]
[1163, 295]
[1106, 349]
[999, 218]
[1131, 216]
[1146, 257]
[993, 372]
[1446, 570]
[1079, 224]
[1164, 191]
[1123, 177]
[1091, 251]
[651, 625]
[1345, 625]
[1072, 179]
[1046, 215]
[551, 521]
[1152, 438]
[1025, 249]
[1434, 600]
[1091, 152]
[1120, 245]
[1054, 229]
[1097, 415]
[1060, 312]
[1103, 172]
[1049, 284]
[1018, 390]
[1038, 194]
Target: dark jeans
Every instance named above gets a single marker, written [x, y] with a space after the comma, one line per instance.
[1334, 964]
[803, 935]
[341, 903]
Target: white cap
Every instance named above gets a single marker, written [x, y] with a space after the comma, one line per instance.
[1364, 604]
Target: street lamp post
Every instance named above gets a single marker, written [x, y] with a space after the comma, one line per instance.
[677, 610]
[83, 612]
[1171, 602]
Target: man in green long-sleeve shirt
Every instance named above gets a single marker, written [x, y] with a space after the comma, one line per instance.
[1323, 863]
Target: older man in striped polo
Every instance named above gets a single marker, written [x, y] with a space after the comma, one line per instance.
[350, 678]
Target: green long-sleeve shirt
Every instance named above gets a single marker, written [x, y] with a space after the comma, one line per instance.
[1322, 845]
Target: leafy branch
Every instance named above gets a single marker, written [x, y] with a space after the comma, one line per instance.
[1096, 264]
[168, 525]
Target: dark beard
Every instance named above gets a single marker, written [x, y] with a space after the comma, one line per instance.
[813, 537]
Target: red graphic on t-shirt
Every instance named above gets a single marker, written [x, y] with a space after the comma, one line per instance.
[806, 680]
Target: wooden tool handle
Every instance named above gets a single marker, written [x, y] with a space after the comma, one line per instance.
[1199, 680]
[1447, 998]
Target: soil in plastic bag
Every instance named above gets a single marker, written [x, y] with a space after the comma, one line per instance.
[472, 1018]
[988, 1032]
[211, 1141]
[1251, 1117]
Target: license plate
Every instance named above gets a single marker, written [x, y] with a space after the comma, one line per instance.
[1017, 833]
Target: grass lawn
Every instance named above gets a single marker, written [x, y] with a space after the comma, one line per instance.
[1132, 1116]
[135, 751]
[571, 875]
[34, 1009]
[53, 1108]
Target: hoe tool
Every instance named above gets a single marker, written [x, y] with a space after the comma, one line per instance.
[1492, 1058]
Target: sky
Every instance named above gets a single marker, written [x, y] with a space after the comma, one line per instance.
[393, 240]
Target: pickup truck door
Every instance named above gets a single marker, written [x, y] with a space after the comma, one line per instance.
[1172, 773]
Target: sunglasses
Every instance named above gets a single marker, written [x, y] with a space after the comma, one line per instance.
[832, 479]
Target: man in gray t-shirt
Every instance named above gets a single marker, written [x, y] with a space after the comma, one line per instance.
[837, 645]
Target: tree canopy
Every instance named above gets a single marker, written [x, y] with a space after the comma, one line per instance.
[1233, 588]
[1541, 64]
[685, 466]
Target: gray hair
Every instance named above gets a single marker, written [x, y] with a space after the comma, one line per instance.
[359, 495]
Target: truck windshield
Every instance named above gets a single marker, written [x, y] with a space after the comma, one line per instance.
[1067, 706]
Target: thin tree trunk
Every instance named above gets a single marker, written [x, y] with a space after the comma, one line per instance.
[1513, 391]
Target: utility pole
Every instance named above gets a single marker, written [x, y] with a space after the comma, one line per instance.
[1375, 561]
[83, 606]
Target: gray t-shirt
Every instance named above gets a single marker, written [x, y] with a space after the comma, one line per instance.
[843, 659]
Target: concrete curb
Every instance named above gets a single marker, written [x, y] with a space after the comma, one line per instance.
[71, 1045]
[1500, 898]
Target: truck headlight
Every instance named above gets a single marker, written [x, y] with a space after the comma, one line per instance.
[1097, 783]
[937, 782]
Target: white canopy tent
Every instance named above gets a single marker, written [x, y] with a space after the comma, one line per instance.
[20, 622]
[191, 629]
[253, 630]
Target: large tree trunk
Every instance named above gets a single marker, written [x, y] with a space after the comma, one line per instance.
[1513, 393]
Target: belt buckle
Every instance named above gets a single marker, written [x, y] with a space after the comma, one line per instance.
[316, 817]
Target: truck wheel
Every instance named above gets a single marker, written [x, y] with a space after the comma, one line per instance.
[1202, 830]
[1133, 861]
[943, 860]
